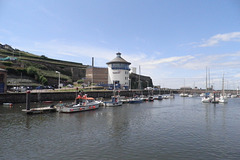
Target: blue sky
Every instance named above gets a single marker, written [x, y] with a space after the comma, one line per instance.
[172, 40]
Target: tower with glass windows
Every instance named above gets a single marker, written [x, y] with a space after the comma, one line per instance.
[118, 73]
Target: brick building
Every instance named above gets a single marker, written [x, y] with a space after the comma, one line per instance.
[96, 75]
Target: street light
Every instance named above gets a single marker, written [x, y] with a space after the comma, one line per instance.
[129, 84]
[58, 79]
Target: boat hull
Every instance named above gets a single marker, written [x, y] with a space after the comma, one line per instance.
[113, 104]
[77, 108]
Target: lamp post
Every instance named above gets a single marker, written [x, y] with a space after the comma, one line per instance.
[129, 84]
[58, 79]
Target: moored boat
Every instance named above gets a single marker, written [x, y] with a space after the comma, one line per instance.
[150, 98]
[143, 98]
[135, 100]
[223, 97]
[207, 98]
[83, 103]
[116, 101]
[159, 97]
[183, 95]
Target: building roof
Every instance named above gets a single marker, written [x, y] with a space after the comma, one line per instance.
[118, 59]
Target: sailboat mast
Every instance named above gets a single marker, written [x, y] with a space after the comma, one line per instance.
[209, 84]
[206, 79]
[139, 83]
[223, 85]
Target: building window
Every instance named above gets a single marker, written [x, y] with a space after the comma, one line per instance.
[120, 66]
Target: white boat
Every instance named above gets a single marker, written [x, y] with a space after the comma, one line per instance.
[158, 97]
[83, 103]
[202, 94]
[183, 95]
[206, 99]
[223, 97]
[192, 95]
[150, 98]
[143, 97]
[171, 96]
[115, 101]
[233, 96]
[135, 100]
[7, 104]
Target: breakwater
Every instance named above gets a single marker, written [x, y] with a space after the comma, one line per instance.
[64, 96]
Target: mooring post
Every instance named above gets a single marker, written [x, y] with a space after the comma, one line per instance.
[76, 92]
[28, 100]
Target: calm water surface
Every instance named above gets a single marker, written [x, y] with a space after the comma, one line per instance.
[180, 128]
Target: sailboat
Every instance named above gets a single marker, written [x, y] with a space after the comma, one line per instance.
[194, 92]
[223, 96]
[171, 96]
[207, 98]
[183, 94]
[235, 95]
[159, 96]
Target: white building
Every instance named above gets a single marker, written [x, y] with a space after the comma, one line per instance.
[118, 72]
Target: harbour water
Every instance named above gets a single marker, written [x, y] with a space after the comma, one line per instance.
[180, 128]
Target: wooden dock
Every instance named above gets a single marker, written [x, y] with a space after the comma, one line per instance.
[40, 110]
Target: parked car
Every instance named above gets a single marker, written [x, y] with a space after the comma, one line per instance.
[70, 86]
[40, 87]
[49, 87]
[18, 89]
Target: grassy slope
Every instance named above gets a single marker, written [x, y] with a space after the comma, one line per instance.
[31, 58]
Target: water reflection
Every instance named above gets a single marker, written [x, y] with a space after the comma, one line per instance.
[180, 128]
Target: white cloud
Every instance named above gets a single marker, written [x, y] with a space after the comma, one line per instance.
[180, 59]
[168, 71]
[214, 40]
[54, 47]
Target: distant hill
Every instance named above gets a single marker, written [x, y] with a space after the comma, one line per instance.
[29, 69]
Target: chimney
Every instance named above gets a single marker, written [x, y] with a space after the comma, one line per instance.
[92, 61]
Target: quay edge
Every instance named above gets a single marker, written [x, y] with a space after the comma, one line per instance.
[64, 96]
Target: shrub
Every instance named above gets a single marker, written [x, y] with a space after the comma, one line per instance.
[7, 63]
[80, 81]
[32, 71]
[43, 80]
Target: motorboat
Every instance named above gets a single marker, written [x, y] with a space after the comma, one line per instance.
[206, 99]
[83, 103]
[159, 97]
[143, 98]
[135, 100]
[115, 101]
[150, 98]
[183, 95]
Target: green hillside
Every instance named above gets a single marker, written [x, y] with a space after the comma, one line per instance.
[41, 70]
